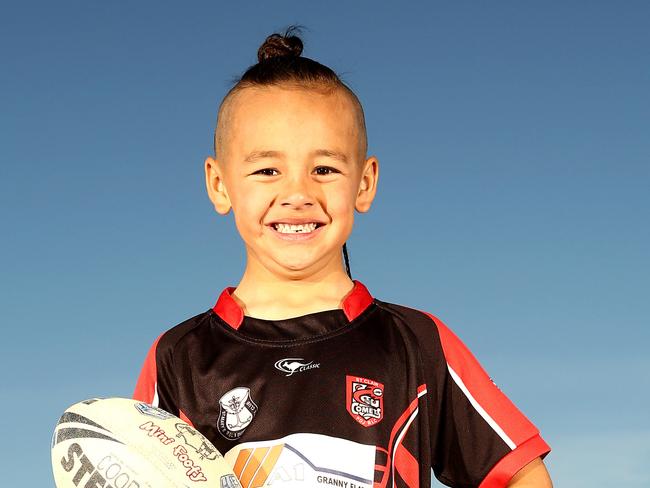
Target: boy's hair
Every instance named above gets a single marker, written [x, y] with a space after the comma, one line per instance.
[280, 64]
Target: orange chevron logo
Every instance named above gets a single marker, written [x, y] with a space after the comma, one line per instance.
[253, 466]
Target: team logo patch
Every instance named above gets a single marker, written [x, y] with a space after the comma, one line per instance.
[293, 365]
[236, 412]
[364, 400]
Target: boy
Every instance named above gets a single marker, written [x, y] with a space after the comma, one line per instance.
[298, 374]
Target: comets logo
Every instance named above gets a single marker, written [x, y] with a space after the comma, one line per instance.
[364, 400]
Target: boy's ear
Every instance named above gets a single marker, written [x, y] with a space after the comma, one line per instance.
[214, 183]
[367, 185]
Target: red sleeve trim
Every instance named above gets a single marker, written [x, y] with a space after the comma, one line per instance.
[489, 397]
[145, 388]
[407, 467]
[502, 472]
[185, 418]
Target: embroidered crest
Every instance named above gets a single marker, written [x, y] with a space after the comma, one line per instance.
[236, 412]
[364, 400]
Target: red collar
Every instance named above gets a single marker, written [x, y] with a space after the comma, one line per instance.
[354, 303]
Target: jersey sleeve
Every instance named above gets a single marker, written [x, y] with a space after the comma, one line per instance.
[156, 384]
[479, 438]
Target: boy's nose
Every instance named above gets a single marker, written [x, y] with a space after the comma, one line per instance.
[297, 200]
[297, 193]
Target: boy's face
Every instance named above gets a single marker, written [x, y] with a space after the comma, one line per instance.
[292, 155]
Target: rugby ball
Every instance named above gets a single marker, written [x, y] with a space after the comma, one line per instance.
[123, 443]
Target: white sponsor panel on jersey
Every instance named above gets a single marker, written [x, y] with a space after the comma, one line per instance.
[304, 459]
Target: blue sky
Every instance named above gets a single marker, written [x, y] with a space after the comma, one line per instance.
[513, 198]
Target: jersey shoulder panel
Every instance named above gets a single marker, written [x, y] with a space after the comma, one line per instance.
[422, 325]
[465, 406]
[156, 383]
[170, 339]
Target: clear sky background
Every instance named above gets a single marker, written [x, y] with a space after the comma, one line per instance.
[514, 147]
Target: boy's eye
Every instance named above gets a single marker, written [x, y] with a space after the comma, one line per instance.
[265, 171]
[328, 170]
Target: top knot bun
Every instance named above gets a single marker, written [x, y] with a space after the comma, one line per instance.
[280, 45]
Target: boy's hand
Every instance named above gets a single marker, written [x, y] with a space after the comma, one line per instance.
[533, 475]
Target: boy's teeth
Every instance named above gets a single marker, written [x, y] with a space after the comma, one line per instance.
[291, 228]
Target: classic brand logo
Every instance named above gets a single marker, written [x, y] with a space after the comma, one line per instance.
[364, 400]
[236, 412]
[293, 365]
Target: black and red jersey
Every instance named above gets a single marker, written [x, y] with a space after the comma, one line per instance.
[370, 395]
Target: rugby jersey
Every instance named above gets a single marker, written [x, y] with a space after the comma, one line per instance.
[373, 394]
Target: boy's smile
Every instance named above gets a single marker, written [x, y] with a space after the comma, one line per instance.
[292, 172]
[296, 232]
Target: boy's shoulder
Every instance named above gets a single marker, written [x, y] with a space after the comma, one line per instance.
[170, 337]
[419, 321]
[433, 335]
[428, 331]
[406, 312]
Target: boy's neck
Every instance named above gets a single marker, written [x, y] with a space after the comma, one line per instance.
[277, 299]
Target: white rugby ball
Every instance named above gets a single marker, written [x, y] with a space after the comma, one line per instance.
[124, 443]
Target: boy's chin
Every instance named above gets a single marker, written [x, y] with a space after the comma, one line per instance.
[298, 267]
[301, 268]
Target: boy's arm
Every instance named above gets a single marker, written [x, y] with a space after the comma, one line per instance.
[533, 475]
[156, 384]
[145, 387]
[481, 437]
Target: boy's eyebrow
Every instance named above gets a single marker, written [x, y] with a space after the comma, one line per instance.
[253, 156]
[332, 154]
